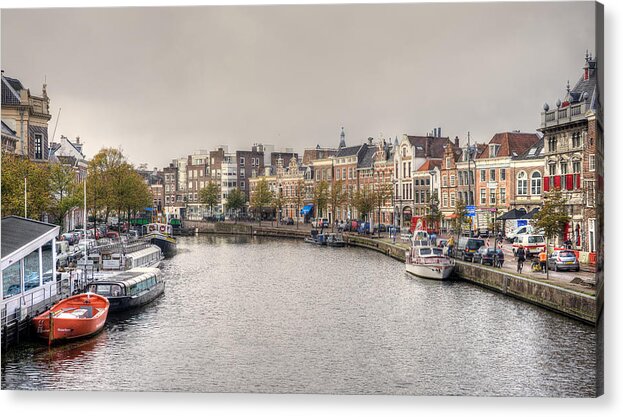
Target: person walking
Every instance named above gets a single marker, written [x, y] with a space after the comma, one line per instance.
[521, 257]
[500, 257]
[543, 261]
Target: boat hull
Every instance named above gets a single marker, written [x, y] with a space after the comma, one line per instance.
[438, 272]
[66, 325]
[129, 302]
[167, 245]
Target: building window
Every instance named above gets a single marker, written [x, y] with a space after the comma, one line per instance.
[452, 181]
[493, 150]
[492, 174]
[242, 187]
[448, 163]
[522, 184]
[535, 187]
[483, 175]
[337, 174]
[38, 146]
[502, 195]
[31, 270]
[483, 196]
[444, 181]
[242, 161]
[242, 173]
[552, 168]
[551, 143]
[576, 141]
[492, 196]
[460, 173]
[591, 162]
[576, 166]
[502, 174]
[445, 200]
[452, 199]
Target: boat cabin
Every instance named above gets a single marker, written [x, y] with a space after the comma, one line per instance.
[162, 228]
[28, 265]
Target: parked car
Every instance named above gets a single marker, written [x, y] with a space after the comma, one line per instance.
[563, 260]
[484, 255]
[70, 238]
[467, 247]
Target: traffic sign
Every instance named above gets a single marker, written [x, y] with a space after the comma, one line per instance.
[470, 208]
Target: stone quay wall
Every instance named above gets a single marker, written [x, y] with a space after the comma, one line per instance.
[574, 304]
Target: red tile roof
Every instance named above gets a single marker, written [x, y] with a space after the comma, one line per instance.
[510, 142]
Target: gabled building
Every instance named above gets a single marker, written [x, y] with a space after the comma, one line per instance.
[496, 184]
[574, 153]
[27, 115]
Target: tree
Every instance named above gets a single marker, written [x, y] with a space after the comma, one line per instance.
[363, 201]
[298, 198]
[235, 201]
[261, 197]
[278, 202]
[552, 217]
[460, 212]
[433, 217]
[380, 194]
[17, 171]
[65, 192]
[337, 198]
[321, 197]
[209, 195]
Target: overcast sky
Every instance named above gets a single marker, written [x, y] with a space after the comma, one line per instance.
[162, 82]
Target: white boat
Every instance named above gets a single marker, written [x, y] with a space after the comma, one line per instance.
[426, 261]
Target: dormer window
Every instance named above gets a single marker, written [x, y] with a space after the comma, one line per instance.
[494, 149]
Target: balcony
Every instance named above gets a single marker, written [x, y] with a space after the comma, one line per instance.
[564, 115]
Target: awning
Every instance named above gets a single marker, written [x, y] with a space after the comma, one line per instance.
[305, 210]
[452, 216]
[513, 214]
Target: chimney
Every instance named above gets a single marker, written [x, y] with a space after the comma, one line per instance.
[78, 140]
[456, 141]
[427, 146]
[439, 132]
[370, 139]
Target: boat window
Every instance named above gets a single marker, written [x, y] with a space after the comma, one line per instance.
[11, 280]
[48, 263]
[101, 289]
[437, 251]
[425, 251]
[31, 270]
[133, 289]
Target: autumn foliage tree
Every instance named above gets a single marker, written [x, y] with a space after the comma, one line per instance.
[17, 171]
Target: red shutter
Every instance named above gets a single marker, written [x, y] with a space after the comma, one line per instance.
[546, 184]
[578, 181]
[557, 181]
[569, 181]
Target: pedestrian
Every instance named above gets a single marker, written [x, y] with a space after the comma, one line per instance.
[543, 260]
[500, 255]
[451, 246]
[521, 257]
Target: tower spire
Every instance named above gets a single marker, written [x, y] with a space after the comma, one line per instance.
[342, 139]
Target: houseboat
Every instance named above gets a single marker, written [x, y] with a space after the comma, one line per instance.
[130, 289]
[78, 316]
[425, 261]
[161, 235]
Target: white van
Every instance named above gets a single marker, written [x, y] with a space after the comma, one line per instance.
[521, 230]
[532, 244]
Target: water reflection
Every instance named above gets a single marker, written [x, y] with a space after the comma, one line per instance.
[244, 314]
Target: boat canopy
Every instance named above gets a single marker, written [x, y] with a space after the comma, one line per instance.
[305, 210]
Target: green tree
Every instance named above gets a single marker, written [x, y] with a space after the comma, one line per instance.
[460, 212]
[552, 217]
[278, 202]
[209, 195]
[380, 194]
[236, 200]
[298, 198]
[337, 198]
[17, 171]
[321, 197]
[433, 217]
[363, 200]
[261, 197]
[65, 192]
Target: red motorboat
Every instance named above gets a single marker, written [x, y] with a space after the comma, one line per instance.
[74, 317]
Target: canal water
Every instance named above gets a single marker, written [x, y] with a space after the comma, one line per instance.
[244, 314]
